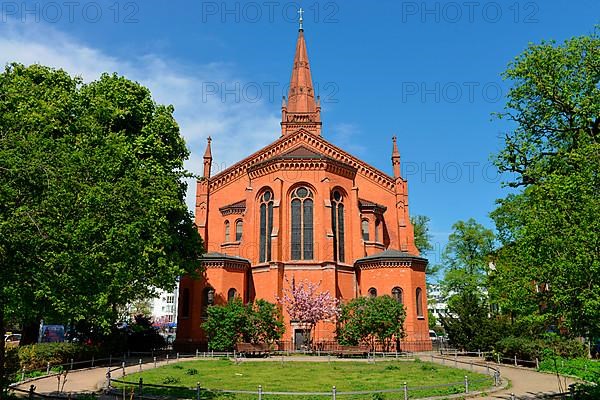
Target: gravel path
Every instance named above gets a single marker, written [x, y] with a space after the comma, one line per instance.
[524, 383]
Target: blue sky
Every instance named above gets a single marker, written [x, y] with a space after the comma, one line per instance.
[428, 72]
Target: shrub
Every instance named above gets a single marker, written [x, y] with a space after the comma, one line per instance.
[191, 371]
[548, 346]
[170, 380]
[37, 356]
[11, 362]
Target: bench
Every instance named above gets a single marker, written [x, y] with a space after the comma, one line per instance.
[253, 349]
[352, 351]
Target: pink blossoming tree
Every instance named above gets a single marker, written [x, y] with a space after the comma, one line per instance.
[307, 305]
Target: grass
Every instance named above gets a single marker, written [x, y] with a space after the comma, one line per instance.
[588, 370]
[306, 377]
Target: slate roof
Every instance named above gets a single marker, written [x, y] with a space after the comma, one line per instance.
[220, 256]
[391, 254]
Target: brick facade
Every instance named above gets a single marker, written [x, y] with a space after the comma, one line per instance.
[302, 207]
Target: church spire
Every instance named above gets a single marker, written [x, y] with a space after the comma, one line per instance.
[207, 158]
[301, 109]
[395, 158]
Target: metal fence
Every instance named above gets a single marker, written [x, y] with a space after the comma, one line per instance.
[136, 390]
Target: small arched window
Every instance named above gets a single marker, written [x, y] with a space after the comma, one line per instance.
[266, 226]
[302, 224]
[365, 230]
[397, 294]
[377, 228]
[227, 236]
[372, 293]
[337, 225]
[419, 299]
[208, 299]
[231, 295]
[239, 227]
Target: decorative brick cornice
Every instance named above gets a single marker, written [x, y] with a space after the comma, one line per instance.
[225, 264]
[314, 142]
[300, 164]
[235, 208]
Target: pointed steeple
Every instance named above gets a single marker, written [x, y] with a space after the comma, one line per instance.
[301, 110]
[395, 158]
[207, 158]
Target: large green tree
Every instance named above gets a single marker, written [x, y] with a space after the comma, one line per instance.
[371, 321]
[466, 257]
[550, 230]
[92, 211]
[234, 322]
[423, 241]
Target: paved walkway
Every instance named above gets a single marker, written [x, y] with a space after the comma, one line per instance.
[524, 383]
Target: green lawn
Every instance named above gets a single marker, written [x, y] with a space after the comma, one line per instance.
[294, 376]
[588, 370]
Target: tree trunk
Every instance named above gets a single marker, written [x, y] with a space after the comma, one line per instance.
[31, 331]
[3, 378]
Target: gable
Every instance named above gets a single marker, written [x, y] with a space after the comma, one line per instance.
[302, 144]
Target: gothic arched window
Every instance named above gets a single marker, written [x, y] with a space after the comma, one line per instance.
[397, 294]
[365, 230]
[226, 231]
[208, 299]
[238, 230]
[302, 224]
[231, 295]
[372, 293]
[337, 222]
[266, 226]
[419, 299]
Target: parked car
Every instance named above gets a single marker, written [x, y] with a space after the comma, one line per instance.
[12, 339]
[433, 336]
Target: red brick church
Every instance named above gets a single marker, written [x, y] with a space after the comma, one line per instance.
[302, 207]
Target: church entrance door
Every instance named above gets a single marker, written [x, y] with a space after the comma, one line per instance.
[299, 339]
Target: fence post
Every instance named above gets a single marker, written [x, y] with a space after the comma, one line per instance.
[259, 392]
[197, 390]
[333, 393]
[487, 369]
[31, 391]
[141, 388]
[537, 363]
[48, 368]
[196, 353]
[515, 360]
[512, 396]
[177, 356]
[478, 353]
[110, 360]
[154, 361]
[140, 363]
[466, 384]
[405, 391]
[123, 366]
[71, 363]
[108, 378]
[498, 357]
[23, 374]
[167, 358]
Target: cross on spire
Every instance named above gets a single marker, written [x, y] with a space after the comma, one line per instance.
[301, 13]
